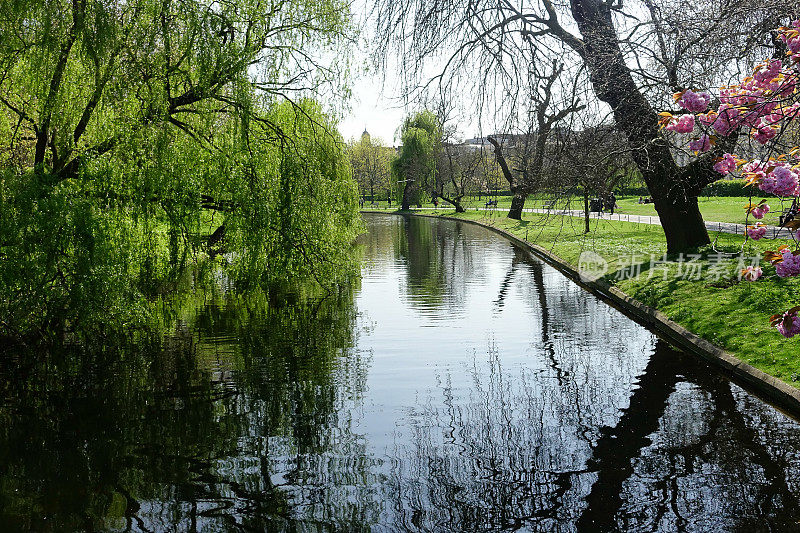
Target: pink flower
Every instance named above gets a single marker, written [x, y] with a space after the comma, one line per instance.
[756, 232]
[789, 112]
[759, 211]
[763, 134]
[786, 182]
[752, 273]
[694, 102]
[768, 71]
[788, 324]
[707, 119]
[789, 266]
[781, 181]
[702, 144]
[726, 165]
[685, 124]
[728, 119]
[792, 43]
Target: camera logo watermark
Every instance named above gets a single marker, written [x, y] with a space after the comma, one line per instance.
[591, 266]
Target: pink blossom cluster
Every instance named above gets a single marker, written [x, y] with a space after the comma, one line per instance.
[694, 102]
[759, 211]
[789, 324]
[755, 103]
[762, 133]
[760, 105]
[685, 124]
[768, 71]
[782, 181]
[726, 165]
[752, 273]
[702, 144]
[792, 37]
[756, 232]
[728, 119]
[773, 177]
[789, 266]
[770, 79]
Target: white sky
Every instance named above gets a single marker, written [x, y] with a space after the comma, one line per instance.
[378, 106]
[375, 108]
[377, 102]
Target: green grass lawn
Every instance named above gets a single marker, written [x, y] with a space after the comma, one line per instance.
[732, 314]
[715, 208]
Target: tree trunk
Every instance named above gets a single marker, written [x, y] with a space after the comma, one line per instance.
[455, 202]
[406, 205]
[586, 211]
[517, 204]
[683, 224]
[613, 83]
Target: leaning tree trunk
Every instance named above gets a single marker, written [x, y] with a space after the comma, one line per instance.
[519, 192]
[517, 204]
[674, 189]
[406, 205]
[457, 204]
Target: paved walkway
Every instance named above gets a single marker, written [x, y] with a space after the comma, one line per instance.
[721, 227]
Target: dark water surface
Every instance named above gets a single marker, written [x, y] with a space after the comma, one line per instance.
[461, 386]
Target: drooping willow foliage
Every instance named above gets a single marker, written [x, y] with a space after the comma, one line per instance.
[140, 137]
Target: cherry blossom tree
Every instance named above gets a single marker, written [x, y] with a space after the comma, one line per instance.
[765, 106]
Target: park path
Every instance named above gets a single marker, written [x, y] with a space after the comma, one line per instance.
[721, 227]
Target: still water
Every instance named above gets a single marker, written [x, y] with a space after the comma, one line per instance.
[460, 385]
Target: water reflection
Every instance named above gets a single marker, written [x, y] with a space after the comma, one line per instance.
[238, 416]
[461, 385]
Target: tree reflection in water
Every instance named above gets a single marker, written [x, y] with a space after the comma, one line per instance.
[537, 450]
[524, 403]
[682, 457]
[233, 414]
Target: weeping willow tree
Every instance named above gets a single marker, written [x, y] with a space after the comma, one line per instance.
[139, 136]
[415, 165]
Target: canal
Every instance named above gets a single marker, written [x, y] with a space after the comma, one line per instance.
[459, 385]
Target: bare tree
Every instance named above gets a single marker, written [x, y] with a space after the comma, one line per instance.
[633, 53]
[458, 168]
[591, 161]
[527, 176]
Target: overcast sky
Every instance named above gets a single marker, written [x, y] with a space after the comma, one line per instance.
[373, 108]
[377, 103]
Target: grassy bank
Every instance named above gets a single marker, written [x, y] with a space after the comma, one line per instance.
[703, 293]
[714, 208]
